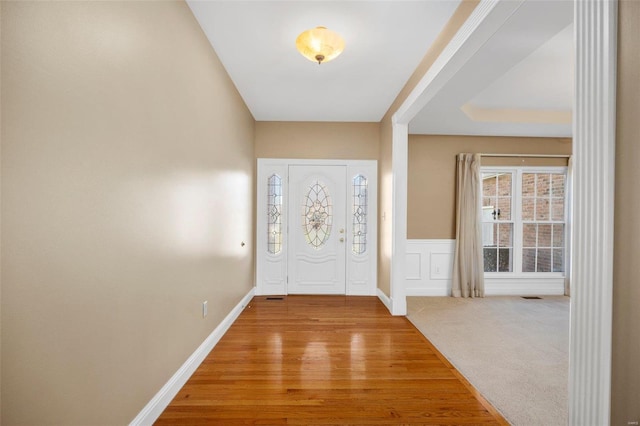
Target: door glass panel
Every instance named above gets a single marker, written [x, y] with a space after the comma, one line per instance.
[317, 215]
[359, 244]
[274, 214]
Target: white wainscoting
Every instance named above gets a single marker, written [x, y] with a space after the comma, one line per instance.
[429, 269]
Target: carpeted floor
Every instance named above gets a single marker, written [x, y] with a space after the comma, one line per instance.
[514, 351]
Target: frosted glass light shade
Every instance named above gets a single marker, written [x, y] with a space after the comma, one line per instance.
[320, 44]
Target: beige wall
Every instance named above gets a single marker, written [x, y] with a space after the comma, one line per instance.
[386, 132]
[0, 219]
[127, 170]
[317, 140]
[432, 174]
[625, 392]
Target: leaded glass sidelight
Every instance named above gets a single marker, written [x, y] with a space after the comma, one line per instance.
[359, 217]
[274, 214]
[317, 215]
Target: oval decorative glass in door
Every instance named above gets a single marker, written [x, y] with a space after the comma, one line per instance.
[317, 215]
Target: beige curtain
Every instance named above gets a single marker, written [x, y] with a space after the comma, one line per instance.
[468, 264]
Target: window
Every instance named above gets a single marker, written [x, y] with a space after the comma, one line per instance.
[359, 245]
[274, 214]
[497, 227]
[543, 222]
[523, 219]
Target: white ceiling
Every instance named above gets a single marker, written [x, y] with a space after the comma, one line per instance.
[385, 41]
[518, 84]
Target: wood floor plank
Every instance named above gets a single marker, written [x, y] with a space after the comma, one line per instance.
[326, 360]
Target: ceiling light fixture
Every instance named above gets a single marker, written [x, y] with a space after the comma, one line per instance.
[320, 44]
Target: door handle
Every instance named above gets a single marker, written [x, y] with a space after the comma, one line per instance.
[342, 240]
[342, 231]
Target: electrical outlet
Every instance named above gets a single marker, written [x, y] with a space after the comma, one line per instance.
[204, 309]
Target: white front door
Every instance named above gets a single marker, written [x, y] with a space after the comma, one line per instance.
[317, 224]
[316, 227]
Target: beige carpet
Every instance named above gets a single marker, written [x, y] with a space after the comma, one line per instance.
[514, 351]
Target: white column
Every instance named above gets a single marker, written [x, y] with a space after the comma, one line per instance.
[592, 242]
[399, 164]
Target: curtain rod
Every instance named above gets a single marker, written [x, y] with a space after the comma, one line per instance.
[528, 155]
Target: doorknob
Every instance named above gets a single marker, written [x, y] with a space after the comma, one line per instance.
[342, 240]
[342, 231]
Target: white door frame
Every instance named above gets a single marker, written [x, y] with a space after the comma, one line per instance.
[271, 269]
[594, 161]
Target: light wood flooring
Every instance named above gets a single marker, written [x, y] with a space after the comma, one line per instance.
[330, 360]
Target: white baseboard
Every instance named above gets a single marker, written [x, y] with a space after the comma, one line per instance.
[433, 291]
[384, 299]
[161, 400]
[524, 286]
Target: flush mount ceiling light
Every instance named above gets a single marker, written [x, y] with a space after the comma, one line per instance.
[320, 44]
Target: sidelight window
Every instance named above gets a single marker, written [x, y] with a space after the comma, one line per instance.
[359, 214]
[274, 214]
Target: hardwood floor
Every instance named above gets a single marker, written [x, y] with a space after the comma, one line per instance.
[330, 360]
